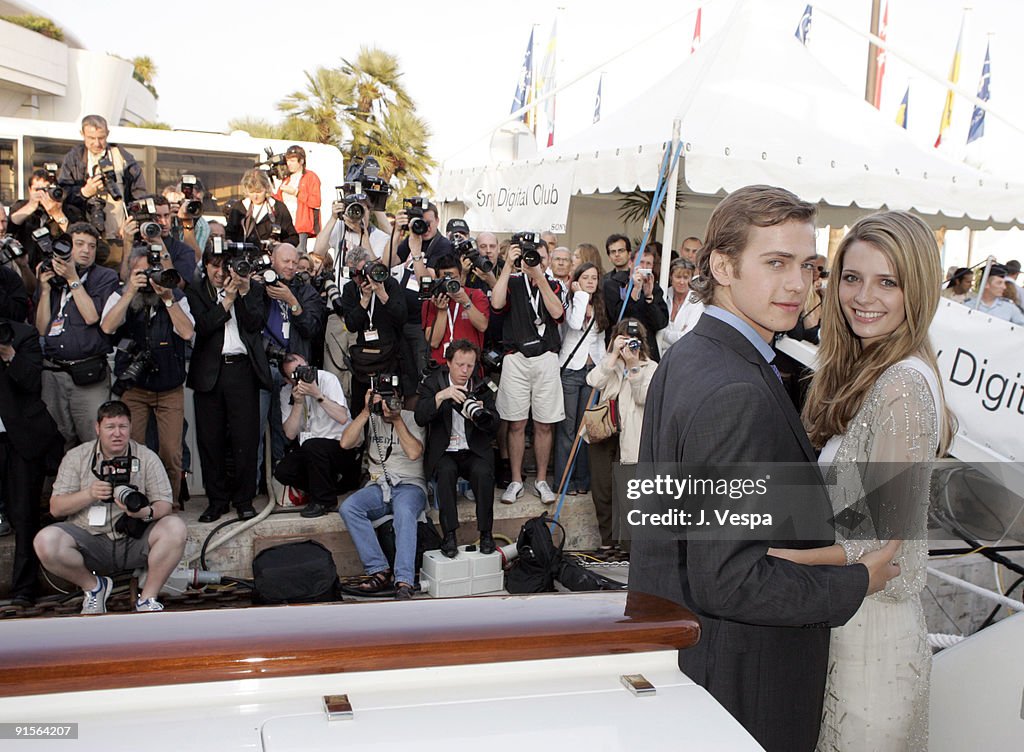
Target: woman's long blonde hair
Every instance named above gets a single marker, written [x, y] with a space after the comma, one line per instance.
[847, 369]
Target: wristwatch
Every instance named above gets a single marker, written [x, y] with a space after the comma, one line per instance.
[168, 303]
[150, 518]
[75, 285]
[320, 399]
[294, 308]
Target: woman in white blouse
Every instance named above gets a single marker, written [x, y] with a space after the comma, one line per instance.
[582, 348]
[682, 313]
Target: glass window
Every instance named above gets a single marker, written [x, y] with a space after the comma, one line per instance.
[8, 171]
[220, 173]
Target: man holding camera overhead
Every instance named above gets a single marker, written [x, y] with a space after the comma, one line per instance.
[155, 324]
[530, 382]
[98, 178]
[314, 413]
[116, 498]
[229, 367]
[459, 415]
[71, 294]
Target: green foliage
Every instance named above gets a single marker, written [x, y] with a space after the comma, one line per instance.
[635, 207]
[362, 108]
[156, 125]
[39, 24]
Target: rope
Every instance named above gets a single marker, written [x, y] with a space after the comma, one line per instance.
[940, 640]
[977, 589]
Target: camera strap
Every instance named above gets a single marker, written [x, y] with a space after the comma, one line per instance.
[381, 454]
[534, 300]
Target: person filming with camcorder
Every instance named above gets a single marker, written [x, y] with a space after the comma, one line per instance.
[151, 321]
[115, 497]
[458, 412]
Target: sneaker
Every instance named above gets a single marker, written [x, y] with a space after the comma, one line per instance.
[150, 604]
[544, 491]
[514, 491]
[5, 526]
[95, 601]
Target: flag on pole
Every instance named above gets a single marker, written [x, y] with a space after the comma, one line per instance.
[547, 83]
[524, 90]
[978, 116]
[954, 76]
[880, 59]
[695, 44]
[803, 29]
[901, 113]
[597, 102]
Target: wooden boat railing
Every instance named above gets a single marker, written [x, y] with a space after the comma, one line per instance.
[42, 656]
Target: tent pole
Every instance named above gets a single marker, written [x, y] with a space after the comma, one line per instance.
[667, 238]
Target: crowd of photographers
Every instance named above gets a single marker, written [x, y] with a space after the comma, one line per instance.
[430, 358]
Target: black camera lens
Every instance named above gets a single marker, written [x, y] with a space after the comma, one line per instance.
[150, 230]
[355, 212]
[531, 257]
[450, 286]
[242, 267]
[56, 192]
[378, 272]
[419, 226]
[194, 209]
[6, 333]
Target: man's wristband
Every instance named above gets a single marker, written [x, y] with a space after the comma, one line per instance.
[150, 518]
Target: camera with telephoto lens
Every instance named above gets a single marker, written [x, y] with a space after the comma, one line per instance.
[55, 191]
[10, 249]
[6, 333]
[466, 248]
[414, 209]
[445, 285]
[387, 386]
[193, 206]
[474, 404]
[306, 373]
[143, 212]
[51, 249]
[332, 295]
[241, 258]
[105, 169]
[363, 175]
[491, 360]
[157, 273]
[375, 272]
[527, 242]
[275, 164]
[118, 472]
[141, 361]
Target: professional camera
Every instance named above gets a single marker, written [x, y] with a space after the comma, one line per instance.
[59, 249]
[193, 206]
[332, 295]
[143, 212]
[10, 249]
[354, 210]
[466, 248]
[56, 192]
[275, 164]
[527, 242]
[6, 333]
[305, 373]
[633, 332]
[118, 471]
[441, 286]
[156, 272]
[275, 354]
[491, 360]
[140, 362]
[271, 278]
[363, 177]
[243, 259]
[387, 386]
[375, 272]
[474, 404]
[414, 209]
[132, 498]
[105, 169]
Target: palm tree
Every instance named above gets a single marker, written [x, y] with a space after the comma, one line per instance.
[635, 207]
[322, 104]
[144, 72]
[401, 148]
[256, 127]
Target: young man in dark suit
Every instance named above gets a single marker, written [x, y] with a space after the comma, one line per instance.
[229, 367]
[716, 399]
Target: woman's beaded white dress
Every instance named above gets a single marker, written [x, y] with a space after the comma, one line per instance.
[876, 696]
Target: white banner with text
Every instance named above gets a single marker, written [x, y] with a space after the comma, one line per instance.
[524, 197]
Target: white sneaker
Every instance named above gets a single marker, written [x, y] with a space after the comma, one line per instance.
[514, 491]
[150, 604]
[543, 490]
[95, 601]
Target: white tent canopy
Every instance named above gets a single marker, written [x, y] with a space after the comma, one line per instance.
[755, 106]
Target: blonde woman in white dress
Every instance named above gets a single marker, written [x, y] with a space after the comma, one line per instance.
[876, 410]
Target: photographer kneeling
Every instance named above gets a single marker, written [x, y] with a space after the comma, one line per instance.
[461, 421]
[116, 498]
[155, 321]
[314, 412]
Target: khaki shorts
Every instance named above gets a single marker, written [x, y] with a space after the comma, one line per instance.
[105, 556]
[531, 385]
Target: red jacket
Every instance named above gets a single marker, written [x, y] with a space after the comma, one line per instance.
[308, 198]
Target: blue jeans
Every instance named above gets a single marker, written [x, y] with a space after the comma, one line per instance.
[270, 407]
[575, 393]
[367, 504]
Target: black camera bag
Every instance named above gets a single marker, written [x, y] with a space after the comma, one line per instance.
[427, 539]
[299, 572]
[577, 578]
[538, 560]
[373, 358]
[88, 370]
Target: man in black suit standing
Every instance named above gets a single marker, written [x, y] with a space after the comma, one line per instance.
[229, 367]
[29, 440]
[716, 399]
[461, 420]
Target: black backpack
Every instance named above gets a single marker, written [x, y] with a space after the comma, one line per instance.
[538, 561]
[427, 539]
[299, 572]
